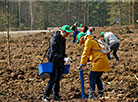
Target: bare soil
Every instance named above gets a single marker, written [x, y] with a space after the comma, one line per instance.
[21, 82]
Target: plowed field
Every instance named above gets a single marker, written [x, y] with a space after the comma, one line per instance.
[21, 82]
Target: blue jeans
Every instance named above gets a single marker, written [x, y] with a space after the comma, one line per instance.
[114, 47]
[95, 78]
[55, 78]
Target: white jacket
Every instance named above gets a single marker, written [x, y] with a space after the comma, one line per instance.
[110, 38]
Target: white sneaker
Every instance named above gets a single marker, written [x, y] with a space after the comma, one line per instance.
[46, 99]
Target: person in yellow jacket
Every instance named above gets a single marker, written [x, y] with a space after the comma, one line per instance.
[99, 63]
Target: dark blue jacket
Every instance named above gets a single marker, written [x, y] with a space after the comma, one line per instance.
[56, 50]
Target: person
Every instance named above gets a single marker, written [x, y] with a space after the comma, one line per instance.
[56, 55]
[74, 28]
[90, 31]
[99, 64]
[84, 27]
[112, 41]
[81, 34]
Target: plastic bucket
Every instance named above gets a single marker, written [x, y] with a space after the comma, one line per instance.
[45, 68]
[66, 69]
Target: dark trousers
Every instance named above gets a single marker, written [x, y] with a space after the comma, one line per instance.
[55, 78]
[74, 39]
[95, 79]
[74, 36]
[114, 47]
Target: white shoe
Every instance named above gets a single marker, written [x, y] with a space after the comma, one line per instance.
[46, 99]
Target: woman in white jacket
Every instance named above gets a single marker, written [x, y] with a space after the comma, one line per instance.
[111, 40]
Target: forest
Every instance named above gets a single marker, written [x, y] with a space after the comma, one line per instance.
[40, 14]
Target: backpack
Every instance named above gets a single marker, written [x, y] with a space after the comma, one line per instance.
[105, 48]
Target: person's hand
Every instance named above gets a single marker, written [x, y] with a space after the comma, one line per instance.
[81, 67]
[68, 60]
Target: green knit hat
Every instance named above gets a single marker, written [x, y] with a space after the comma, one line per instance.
[81, 25]
[66, 28]
[81, 34]
[102, 33]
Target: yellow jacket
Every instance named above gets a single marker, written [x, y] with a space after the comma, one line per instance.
[98, 59]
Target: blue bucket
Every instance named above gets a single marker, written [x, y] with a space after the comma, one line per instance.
[45, 68]
[66, 69]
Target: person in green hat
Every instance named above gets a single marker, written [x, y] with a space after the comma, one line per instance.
[99, 65]
[113, 42]
[80, 35]
[74, 28]
[84, 28]
[56, 55]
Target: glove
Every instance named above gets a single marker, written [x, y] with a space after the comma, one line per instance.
[68, 60]
[81, 67]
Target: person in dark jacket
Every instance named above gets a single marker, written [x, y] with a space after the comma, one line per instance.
[84, 28]
[74, 28]
[56, 55]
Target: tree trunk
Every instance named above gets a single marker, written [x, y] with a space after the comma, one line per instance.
[45, 16]
[130, 12]
[120, 13]
[19, 11]
[31, 13]
[8, 37]
[80, 15]
[133, 12]
[69, 11]
[87, 14]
